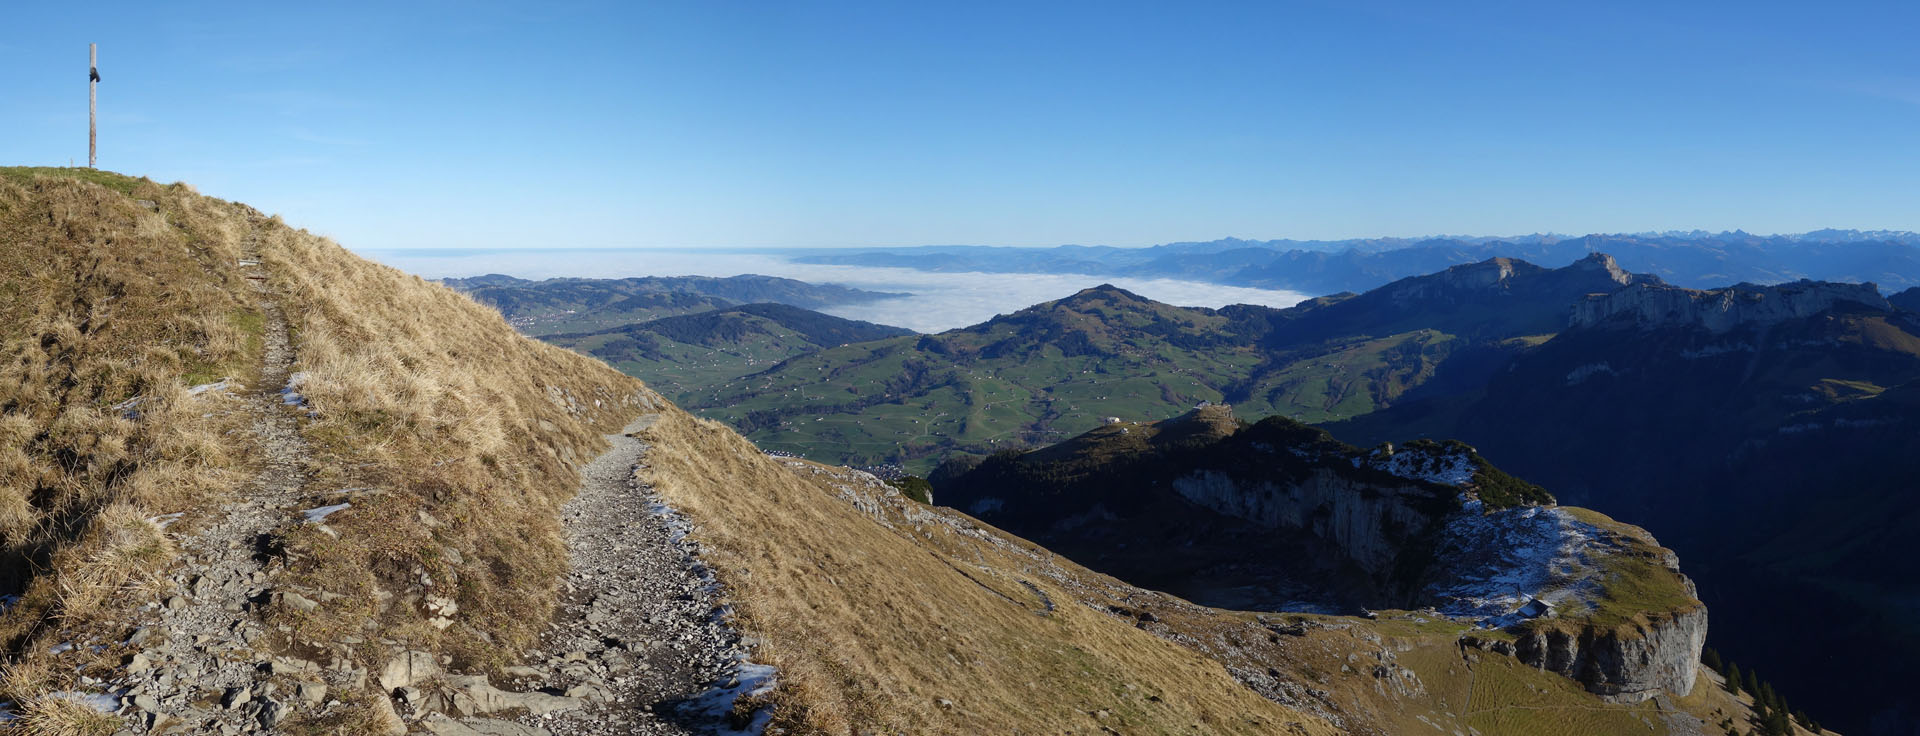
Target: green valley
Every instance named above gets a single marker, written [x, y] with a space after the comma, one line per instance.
[680, 354]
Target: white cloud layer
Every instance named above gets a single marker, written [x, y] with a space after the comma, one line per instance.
[939, 301]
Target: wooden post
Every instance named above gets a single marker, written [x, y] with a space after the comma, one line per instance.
[93, 104]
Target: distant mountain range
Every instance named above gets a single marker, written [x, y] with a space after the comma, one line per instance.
[580, 305]
[1694, 259]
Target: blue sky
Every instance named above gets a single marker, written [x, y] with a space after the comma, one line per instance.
[474, 124]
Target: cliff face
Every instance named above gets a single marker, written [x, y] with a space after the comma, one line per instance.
[1370, 522]
[1720, 310]
[1628, 664]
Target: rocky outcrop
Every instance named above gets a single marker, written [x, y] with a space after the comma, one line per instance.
[1628, 663]
[1718, 310]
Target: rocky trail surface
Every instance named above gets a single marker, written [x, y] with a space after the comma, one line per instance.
[198, 666]
[640, 635]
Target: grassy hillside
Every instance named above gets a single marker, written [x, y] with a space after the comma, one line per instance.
[684, 355]
[109, 311]
[1040, 374]
[1057, 369]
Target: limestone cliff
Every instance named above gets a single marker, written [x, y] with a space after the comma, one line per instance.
[1647, 306]
[1629, 664]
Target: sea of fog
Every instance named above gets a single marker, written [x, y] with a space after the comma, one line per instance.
[939, 301]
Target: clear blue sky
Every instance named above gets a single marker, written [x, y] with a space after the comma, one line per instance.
[424, 124]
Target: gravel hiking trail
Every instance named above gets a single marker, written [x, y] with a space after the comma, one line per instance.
[640, 634]
[200, 647]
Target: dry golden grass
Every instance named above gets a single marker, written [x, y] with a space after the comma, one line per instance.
[57, 715]
[103, 302]
[459, 439]
[875, 618]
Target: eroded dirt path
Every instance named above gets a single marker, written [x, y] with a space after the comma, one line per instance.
[638, 635]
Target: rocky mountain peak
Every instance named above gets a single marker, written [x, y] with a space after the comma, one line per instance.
[1648, 306]
[1604, 263]
[1478, 275]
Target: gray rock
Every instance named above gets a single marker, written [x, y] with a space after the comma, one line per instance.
[296, 601]
[1624, 664]
[473, 695]
[272, 712]
[407, 668]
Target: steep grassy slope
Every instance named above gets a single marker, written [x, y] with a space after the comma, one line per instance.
[108, 313]
[889, 616]
[684, 355]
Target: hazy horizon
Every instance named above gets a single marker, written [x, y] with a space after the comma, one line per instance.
[937, 301]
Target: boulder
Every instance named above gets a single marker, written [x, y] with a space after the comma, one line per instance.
[406, 669]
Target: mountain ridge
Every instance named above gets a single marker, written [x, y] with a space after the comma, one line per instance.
[1323, 267]
[1060, 367]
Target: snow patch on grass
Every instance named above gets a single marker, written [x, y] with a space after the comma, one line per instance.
[716, 705]
[103, 702]
[320, 514]
[1502, 562]
[220, 385]
[290, 394]
[1447, 468]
